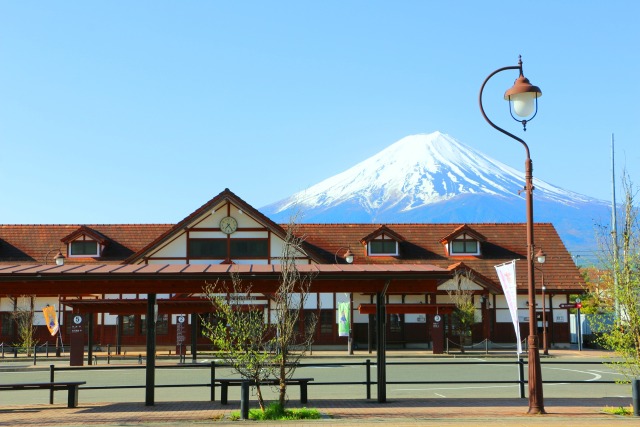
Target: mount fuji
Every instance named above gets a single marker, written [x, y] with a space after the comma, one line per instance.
[435, 178]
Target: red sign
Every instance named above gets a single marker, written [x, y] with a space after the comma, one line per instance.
[572, 305]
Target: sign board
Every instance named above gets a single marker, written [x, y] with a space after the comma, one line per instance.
[77, 340]
[180, 338]
[572, 305]
[437, 334]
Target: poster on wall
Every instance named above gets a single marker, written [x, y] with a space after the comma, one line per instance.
[507, 275]
[344, 319]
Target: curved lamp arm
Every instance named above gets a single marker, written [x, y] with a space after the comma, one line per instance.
[513, 67]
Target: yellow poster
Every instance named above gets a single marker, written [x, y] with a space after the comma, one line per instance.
[51, 319]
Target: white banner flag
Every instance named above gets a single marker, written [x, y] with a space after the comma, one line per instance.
[507, 275]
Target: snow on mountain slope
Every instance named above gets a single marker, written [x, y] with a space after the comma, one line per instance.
[433, 178]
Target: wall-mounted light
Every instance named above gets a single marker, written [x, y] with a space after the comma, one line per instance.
[348, 255]
[59, 258]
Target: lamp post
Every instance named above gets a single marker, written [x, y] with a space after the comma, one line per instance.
[541, 257]
[348, 258]
[524, 97]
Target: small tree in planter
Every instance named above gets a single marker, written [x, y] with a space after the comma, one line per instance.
[464, 314]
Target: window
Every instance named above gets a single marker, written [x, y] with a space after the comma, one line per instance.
[327, 320]
[162, 325]
[7, 325]
[383, 247]
[239, 248]
[208, 248]
[129, 324]
[465, 245]
[83, 248]
[249, 248]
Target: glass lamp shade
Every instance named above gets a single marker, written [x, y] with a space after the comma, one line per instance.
[348, 257]
[523, 95]
[524, 104]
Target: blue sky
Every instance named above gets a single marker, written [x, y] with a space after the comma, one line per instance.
[129, 112]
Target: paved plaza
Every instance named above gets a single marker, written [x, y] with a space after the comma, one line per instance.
[174, 406]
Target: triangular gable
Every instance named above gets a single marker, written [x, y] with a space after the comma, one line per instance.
[463, 229]
[225, 196]
[85, 231]
[382, 230]
[473, 275]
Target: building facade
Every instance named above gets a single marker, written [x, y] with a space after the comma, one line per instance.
[228, 231]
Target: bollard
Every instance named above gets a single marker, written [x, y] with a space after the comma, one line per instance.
[51, 379]
[635, 393]
[244, 400]
[213, 380]
[368, 365]
[35, 355]
[521, 376]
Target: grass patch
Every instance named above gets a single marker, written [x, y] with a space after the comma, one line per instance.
[276, 412]
[621, 410]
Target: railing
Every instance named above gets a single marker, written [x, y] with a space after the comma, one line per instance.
[367, 382]
[485, 345]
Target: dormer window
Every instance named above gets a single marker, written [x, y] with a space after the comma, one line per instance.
[86, 248]
[85, 242]
[464, 244]
[383, 242]
[463, 241]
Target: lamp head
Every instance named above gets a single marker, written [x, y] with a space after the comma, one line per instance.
[541, 256]
[59, 258]
[348, 256]
[523, 95]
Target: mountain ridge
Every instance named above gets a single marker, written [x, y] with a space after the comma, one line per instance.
[435, 178]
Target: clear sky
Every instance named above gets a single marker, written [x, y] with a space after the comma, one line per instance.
[141, 111]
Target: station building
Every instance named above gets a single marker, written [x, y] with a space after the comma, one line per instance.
[109, 270]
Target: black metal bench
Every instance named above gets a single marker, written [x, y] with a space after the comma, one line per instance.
[71, 386]
[226, 382]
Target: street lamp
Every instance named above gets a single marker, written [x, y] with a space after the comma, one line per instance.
[525, 104]
[541, 257]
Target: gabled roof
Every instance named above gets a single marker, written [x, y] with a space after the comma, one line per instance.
[503, 242]
[225, 196]
[83, 230]
[382, 230]
[485, 282]
[40, 243]
[460, 230]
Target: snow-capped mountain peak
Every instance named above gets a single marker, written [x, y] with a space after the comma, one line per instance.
[435, 178]
[416, 171]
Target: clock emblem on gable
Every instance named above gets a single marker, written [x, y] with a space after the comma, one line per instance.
[228, 224]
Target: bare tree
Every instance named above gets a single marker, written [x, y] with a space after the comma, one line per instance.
[239, 332]
[621, 264]
[23, 313]
[464, 314]
[255, 349]
[289, 301]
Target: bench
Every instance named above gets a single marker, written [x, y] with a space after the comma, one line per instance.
[226, 382]
[70, 386]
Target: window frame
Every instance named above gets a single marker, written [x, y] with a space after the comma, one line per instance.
[71, 253]
[465, 238]
[383, 241]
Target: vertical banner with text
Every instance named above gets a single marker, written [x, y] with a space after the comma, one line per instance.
[507, 275]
